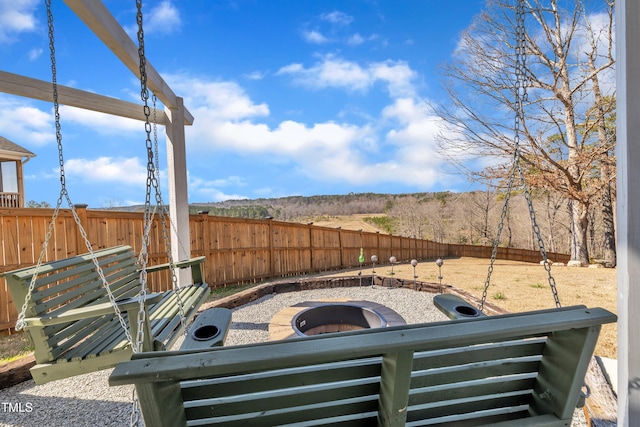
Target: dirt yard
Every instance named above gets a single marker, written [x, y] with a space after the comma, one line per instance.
[517, 286]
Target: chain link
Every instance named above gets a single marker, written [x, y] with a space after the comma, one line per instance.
[521, 97]
[153, 182]
[143, 256]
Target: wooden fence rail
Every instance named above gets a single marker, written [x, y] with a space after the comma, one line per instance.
[237, 250]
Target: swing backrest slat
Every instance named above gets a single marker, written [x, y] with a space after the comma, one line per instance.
[519, 369]
[73, 283]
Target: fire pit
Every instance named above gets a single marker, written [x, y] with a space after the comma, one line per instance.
[327, 316]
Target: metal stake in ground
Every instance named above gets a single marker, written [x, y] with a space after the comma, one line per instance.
[374, 259]
[414, 264]
[439, 263]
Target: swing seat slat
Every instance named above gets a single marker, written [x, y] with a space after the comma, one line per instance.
[520, 369]
[72, 323]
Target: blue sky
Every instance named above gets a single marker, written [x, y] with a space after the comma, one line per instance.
[290, 97]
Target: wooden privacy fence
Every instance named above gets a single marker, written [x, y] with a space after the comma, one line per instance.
[237, 250]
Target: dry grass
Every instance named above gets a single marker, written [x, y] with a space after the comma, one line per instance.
[347, 222]
[13, 347]
[517, 287]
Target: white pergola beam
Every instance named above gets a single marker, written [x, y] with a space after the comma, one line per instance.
[96, 16]
[28, 87]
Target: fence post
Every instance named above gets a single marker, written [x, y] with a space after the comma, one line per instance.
[341, 248]
[272, 261]
[81, 210]
[203, 244]
[310, 247]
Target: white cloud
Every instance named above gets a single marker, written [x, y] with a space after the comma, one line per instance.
[336, 17]
[255, 75]
[415, 138]
[230, 180]
[355, 40]
[209, 100]
[395, 146]
[334, 152]
[405, 111]
[397, 74]
[209, 189]
[34, 54]
[108, 169]
[333, 71]
[330, 72]
[289, 138]
[315, 37]
[25, 124]
[164, 18]
[292, 69]
[333, 27]
[16, 17]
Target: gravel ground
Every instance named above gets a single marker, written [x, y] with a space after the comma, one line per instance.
[87, 400]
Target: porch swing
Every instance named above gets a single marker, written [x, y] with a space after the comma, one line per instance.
[91, 311]
[524, 369]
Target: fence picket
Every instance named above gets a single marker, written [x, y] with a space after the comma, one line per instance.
[237, 250]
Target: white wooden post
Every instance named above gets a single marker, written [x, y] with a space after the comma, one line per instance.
[178, 195]
[628, 209]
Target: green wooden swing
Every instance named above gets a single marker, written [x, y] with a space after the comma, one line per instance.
[91, 311]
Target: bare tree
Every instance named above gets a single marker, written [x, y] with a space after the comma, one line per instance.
[410, 217]
[601, 121]
[553, 203]
[560, 83]
[478, 211]
[438, 218]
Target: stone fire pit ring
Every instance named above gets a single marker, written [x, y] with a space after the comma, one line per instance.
[328, 316]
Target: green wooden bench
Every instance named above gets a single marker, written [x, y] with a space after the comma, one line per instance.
[73, 325]
[515, 370]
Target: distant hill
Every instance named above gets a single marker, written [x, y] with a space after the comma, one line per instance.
[292, 207]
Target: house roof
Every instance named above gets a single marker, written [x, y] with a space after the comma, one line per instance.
[12, 150]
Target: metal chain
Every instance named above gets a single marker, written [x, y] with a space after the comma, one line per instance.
[20, 324]
[521, 97]
[143, 257]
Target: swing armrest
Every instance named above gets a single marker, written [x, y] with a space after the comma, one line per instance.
[90, 311]
[455, 308]
[194, 263]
